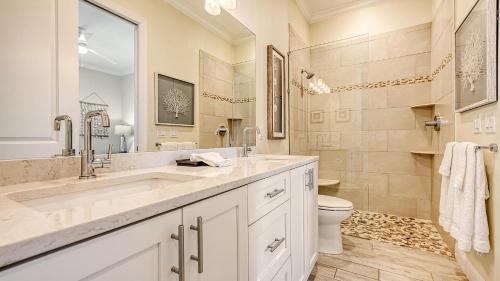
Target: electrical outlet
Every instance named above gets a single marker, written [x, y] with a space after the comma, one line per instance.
[173, 133]
[477, 124]
[160, 132]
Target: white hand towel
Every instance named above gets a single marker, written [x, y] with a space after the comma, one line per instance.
[187, 145]
[480, 238]
[463, 211]
[213, 159]
[445, 171]
[457, 175]
[169, 146]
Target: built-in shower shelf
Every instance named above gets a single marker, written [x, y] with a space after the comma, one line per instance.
[424, 106]
[424, 152]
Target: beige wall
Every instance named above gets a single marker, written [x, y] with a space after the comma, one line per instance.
[381, 17]
[172, 53]
[269, 21]
[488, 265]
[447, 16]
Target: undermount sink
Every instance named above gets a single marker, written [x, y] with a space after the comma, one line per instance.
[85, 193]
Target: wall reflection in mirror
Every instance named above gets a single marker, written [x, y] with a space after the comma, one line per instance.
[81, 56]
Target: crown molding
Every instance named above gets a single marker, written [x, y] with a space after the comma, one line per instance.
[323, 15]
[304, 8]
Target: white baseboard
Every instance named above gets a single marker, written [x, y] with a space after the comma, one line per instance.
[467, 267]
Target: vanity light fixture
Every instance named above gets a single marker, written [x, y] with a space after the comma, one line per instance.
[213, 7]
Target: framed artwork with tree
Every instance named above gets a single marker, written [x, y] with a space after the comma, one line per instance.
[174, 101]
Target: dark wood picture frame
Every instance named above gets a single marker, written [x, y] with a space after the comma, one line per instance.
[276, 94]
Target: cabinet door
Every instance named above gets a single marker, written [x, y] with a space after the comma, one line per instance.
[38, 75]
[298, 190]
[222, 249]
[144, 251]
[311, 219]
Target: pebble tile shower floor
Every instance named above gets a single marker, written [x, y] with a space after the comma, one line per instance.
[401, 231]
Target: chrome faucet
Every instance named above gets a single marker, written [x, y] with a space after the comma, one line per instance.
[246, 148]
[68, 134]
[89, 162]
[223, 131]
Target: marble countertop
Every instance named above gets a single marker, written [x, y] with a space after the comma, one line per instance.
[26, 232]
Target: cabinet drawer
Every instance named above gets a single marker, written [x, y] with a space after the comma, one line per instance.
[267, 194]
[285, 273]
[269, 243]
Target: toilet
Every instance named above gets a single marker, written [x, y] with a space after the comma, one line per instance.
[331, 212]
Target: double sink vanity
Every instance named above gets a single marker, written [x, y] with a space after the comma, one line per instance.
[254, 220]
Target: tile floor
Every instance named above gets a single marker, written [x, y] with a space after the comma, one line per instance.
[367, 260]
[402, 231]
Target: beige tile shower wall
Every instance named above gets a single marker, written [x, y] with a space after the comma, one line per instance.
[442, 89]
[298, 102]
[216, 77]
[365, 137]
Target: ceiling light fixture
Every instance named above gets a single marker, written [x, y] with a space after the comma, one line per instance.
[212, 7]
[228, 4]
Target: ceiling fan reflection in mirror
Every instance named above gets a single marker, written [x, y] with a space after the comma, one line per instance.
[84, 49]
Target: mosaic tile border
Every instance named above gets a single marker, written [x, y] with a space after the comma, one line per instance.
[382, 84]
[227, 99]
[401, 231]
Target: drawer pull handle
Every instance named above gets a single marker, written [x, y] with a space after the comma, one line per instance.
[276, 243]
[179, 237]
[275, 193]
[199, 258]
[310, 179]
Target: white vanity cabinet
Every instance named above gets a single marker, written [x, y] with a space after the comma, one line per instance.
[283, 230]
[224, 237]
[144, 251]
[264, 231]
[304, 208]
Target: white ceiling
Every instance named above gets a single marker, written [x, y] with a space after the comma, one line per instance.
[109, 35]
[318, 10]
[224, 25]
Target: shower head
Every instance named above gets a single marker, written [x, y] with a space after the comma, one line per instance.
[309, 75]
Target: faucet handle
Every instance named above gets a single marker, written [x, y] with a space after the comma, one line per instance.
[103, 162]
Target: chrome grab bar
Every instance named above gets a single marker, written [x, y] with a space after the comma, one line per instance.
[180, 270]
[199, 229]
[276, 243]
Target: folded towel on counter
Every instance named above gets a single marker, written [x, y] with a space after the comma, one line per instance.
[213, 159]
[169, 146]
[174, 146]
[445, 171]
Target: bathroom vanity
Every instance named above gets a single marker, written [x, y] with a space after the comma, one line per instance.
[255, 220]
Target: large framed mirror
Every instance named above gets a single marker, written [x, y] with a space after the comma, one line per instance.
[78, 56]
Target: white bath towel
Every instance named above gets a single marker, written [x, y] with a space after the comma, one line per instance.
[480, 238]
[456, 181]
[213, 159]
[445, 171]
[462, 224]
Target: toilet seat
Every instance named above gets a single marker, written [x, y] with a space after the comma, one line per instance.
[330, 203]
